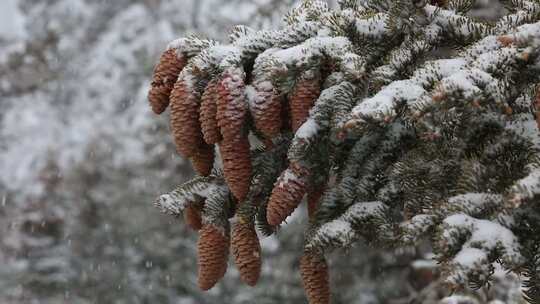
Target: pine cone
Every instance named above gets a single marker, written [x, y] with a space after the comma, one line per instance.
[235, 156]
[286, 195]
[185, 118]
[313, 198]
[203, 160]
[165, 74]
[213, 253]
[302, 98]
[234, 148]
[208, 110]
[231, 105]
[315, 278]
[247, 252]
[266, 111]
[192, 217]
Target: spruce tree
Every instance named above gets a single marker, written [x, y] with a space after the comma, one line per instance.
[390, 139]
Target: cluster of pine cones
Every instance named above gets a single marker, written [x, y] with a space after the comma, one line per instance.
[217, 115]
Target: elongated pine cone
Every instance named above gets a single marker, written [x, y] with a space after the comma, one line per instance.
[213, 253]
[185, 125]
[287, 194]
[237, 167]
[165, 74]
[231, 105]
[208, 110]
[313, 198]
[315, 278]
[266, 110]
[203, 160]
[246, 250]
[234, 148]
[192, 217]
[303, 96]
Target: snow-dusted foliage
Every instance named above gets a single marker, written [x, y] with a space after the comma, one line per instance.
[82, 158]
[387, 143]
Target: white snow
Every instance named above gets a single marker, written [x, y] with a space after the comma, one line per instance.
[485, 235]
[384, 101]
[374, 26]
[528, 186]
[308, 129]
[288, 176]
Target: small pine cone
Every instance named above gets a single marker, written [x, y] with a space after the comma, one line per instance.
[313, 198]
[235, 156]
[247, 252]
[185, 125]
[315, 278]
[266, 111]
[287, 194]
[203, 160]
[231, 104]
[165, 74]
[213, 253]
[192, 217]
[302, 98]
[208, 117]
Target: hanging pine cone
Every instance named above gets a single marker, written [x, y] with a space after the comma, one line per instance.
[213, 253]
[231, 104]
[315, 278]
[287, 194]
[313, 198]
[246, 250]
[234, 148]
[185, 118]
[208, 110]
[203, 160]
[266, 110]
[303, 96]
[165, 74]
[235, 156]
[192, 217]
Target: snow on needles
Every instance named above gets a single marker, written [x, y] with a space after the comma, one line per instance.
[484, 238]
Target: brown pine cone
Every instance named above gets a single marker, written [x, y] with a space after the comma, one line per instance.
[302, 98]
[235, 156]
[185, 125]
[213, 253]
[208, 110]
[165, 75]
[287, 194]
[315, 278]
[313, 198]
[266, 110]
[246, 250]
[192, 217]
[203, 160]
[231, 104]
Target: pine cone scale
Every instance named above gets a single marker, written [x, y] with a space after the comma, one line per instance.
[213, 253]
[247, 252]
[315, 278]
[165, 74]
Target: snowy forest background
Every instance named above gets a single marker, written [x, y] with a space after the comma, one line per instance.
[82, 158]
